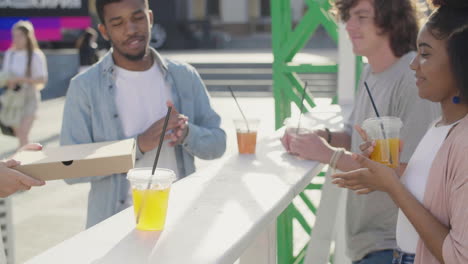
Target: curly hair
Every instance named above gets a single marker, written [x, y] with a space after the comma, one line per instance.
[397, 18]
[459, 60]
[449, 22]
[448, 17]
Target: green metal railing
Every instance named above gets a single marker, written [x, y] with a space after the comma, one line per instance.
[287, 42]
[288, 88]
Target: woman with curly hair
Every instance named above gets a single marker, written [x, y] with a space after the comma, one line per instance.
[431, 195]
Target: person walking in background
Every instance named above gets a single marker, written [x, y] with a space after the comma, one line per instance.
[385, 33]
[87, 48]
[27, 66]
[432, 194]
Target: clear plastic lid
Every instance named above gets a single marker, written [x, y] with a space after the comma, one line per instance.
[241, 126]
[305, 122]
[391, 126]
[162, 178]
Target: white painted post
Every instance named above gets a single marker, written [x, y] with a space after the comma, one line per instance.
[340, 242]
[346, 92]
[6, 232]
[297, 8]
[346, 68]
[318, 250]
[2, 251]
[234, 12]
[197, 9]
[263, 248]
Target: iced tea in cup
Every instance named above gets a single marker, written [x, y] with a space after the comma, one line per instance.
[246, 135]
[154, 210]
[385, 131]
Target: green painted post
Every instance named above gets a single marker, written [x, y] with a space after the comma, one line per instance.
[287, 88]
[286, 43]
[284, 233]
[358, 70]
[281, 25]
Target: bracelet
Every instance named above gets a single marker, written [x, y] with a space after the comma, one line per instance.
[336, 157]
[329, 135]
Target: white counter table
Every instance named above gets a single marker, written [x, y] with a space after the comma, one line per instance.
[217, 215]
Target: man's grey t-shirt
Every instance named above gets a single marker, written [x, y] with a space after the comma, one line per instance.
[371, 219]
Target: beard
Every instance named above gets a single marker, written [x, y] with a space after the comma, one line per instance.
[132, 57]
[136, 57]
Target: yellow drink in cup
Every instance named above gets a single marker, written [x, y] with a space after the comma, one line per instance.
[386, 133]
[153, 215]
[151, 204]
[385, 147]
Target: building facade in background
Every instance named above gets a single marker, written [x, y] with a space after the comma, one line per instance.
[180, 24]
[53, 20]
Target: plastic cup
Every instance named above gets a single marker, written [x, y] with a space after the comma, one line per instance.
[246, 136]
[385, 131]
[291, 126]
[155, 200]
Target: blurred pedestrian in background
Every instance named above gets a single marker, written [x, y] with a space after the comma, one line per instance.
[27, 68]
[87, 47]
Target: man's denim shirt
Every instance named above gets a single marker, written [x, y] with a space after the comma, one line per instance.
[90, 115]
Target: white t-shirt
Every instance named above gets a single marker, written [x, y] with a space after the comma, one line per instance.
[415, 179]
[141, 98]
[15, 62]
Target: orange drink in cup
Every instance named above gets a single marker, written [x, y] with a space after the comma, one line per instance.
[385, 131]
[246, 135]
[386, 148]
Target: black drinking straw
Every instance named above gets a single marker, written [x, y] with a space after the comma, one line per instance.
[372, 100]
[161, 139]
[302, 108]
[377, 114]
[240, 109]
